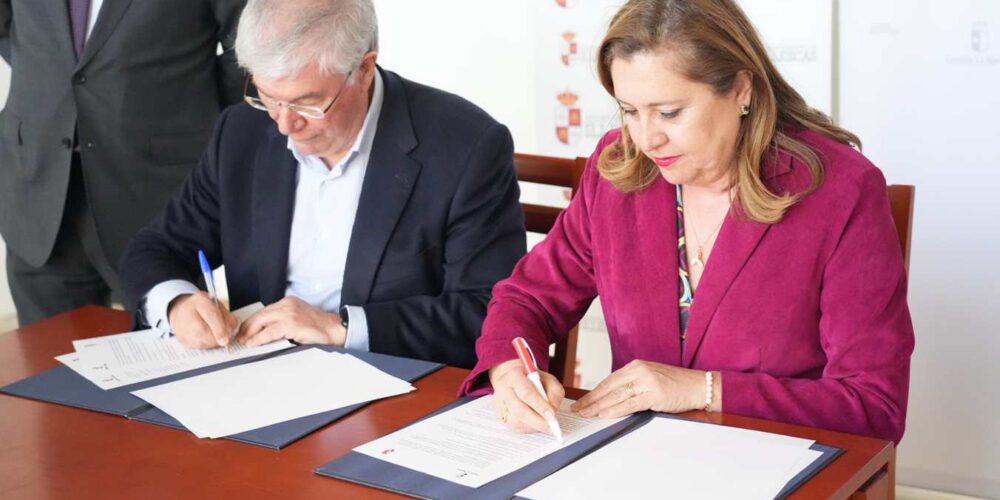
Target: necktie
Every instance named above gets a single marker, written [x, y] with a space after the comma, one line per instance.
[78, 10]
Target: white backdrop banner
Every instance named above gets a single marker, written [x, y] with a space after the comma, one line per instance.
[573, 110]
[919, 85]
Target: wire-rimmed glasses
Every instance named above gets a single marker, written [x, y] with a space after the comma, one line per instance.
[252, 97]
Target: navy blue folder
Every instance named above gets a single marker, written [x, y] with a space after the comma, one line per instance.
[278, 436]
[363, 469]
[64, 386]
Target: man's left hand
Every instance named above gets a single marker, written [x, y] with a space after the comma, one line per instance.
[292, 319]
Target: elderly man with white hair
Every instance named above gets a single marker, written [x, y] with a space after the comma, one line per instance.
[364, 210]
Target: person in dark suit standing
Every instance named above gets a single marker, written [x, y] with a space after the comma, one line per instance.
[111, 102]
[363, 209]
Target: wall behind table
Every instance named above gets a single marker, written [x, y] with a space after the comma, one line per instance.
[478, 49]
[919, 85]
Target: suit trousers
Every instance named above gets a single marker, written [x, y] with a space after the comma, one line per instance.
[77, 272]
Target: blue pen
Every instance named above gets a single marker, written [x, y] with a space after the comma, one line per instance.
[206, 272]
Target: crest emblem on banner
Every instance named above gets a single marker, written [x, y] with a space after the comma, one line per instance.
[569, 118]
[980, 37]
[569, 47]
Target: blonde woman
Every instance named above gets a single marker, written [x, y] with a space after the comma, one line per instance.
[743, 250]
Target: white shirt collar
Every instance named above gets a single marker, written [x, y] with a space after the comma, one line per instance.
[362, 143]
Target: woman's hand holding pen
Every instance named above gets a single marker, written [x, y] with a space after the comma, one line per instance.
[638, 386]
[518, 403]
[199, 322]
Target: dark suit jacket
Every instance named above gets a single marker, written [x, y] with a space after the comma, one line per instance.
[142, 97]
[438, 222]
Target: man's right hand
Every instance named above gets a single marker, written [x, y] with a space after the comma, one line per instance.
[199, 322]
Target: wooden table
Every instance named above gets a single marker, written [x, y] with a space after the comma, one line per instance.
[52, 451]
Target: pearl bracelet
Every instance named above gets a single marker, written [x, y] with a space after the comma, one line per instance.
[708, 391]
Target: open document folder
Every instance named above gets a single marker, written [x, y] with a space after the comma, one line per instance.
[682, 459]
[432, 458]
[263, 393]
[469, 446]
[127, 358]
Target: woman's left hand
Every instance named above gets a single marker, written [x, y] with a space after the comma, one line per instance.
[644, 385]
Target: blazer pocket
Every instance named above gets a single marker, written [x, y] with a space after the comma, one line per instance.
[178, 149]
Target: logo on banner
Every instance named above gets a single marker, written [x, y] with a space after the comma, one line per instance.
[569, 122]
[569, 47]
[788, 53]
[978, 48]
[980, 37]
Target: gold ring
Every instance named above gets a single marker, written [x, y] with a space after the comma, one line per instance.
[630, 390]
[506, 410]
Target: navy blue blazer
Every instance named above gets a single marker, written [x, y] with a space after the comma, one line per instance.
[438, 223]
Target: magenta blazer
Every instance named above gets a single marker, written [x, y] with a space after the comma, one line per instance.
[806, 319]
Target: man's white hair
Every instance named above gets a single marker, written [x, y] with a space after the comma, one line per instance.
[279, 38]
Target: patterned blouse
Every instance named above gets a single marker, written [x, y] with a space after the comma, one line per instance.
[686, 293]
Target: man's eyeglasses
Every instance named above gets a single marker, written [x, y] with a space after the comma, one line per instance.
[252, 97]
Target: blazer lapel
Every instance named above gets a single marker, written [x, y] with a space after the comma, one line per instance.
[58, 12]
[389, 180]
[274, 175]
[107, 19]
[656, 219]
[738, 239]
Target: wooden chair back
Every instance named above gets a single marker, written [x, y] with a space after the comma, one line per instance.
[562, 172]
[552, 171]
[901, 203]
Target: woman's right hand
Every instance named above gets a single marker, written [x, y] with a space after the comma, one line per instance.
[518, 403]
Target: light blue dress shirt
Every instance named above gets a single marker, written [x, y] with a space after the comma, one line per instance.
[326, 202]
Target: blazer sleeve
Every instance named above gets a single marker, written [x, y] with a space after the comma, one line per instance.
[484, 239]
[5, 21]
[548, 293]
[865, 332]
[167, 248]
[230, 76]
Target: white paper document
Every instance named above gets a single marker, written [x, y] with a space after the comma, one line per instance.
[468, 445]
[271, 391]
[671, 458]
[128, 358]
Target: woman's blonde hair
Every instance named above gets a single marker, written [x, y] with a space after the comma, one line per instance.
[715, 40]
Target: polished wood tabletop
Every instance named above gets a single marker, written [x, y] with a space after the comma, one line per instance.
[52, 451]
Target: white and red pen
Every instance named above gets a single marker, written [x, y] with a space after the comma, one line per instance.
[531, 371]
